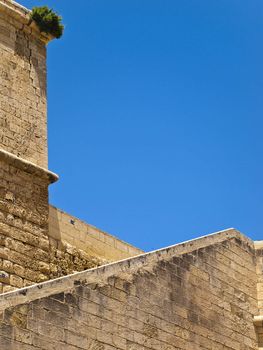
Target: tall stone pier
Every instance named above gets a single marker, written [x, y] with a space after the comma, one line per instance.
[37, 242]
[24, 178]
[23, 104]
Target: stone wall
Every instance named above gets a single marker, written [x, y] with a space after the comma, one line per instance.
[67, 228]
[23, 223]
[196, 295]
[28, 253]
[22, 86]
[32, 250]
[259, 268]
[202, 294]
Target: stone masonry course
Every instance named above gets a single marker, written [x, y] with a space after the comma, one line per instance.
[183, 297]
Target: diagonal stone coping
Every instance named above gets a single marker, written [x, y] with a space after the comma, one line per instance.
[100, 274]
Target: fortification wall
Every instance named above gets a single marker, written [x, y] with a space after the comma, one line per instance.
[23, 222]
[259, 268]
[67, 228]
[31, 250]
[196, 295]
[22, 86]
[203, 294]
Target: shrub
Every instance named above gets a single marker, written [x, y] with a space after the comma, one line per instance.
[47, 21]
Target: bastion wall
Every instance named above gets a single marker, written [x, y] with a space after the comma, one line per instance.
[197, 295]
[77, 233]
[62, 283]
[22, 86]
[37, 242]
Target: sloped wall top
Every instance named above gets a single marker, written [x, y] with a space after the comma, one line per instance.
[101, 273]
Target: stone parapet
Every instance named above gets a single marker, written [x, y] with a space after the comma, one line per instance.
[67, 228]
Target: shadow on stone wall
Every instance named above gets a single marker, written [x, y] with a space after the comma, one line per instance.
[64, 257]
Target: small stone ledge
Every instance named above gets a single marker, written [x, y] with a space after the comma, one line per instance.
[27, 166]
[100, 274]
[21, 14]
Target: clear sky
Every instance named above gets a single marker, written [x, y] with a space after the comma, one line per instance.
[156, 117]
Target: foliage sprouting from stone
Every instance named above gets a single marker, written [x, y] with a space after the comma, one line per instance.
[47, 21]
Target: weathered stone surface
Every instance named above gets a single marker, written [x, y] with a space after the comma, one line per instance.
[202, 294]
[22, 86]
[28, 250]
[33, 249]
[82, 236]
[197, 295]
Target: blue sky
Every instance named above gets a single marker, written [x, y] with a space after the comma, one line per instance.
[155, 117]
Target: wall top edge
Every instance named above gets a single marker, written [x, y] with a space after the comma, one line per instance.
[258, 244]
[13, 10]
[70, 216]
[100, 274]
[16, 7]
[27, 166]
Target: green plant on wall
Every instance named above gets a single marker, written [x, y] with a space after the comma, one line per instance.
[47, 20]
